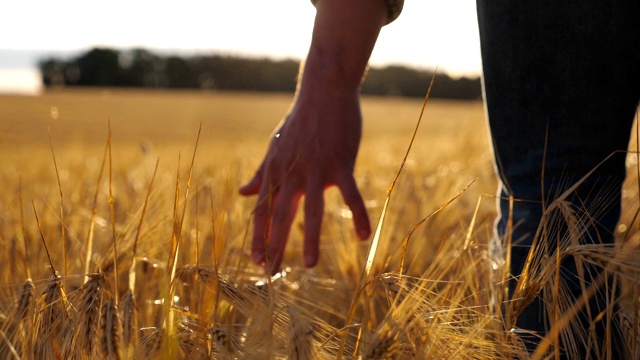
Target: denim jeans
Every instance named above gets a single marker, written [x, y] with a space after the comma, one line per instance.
[562, 84]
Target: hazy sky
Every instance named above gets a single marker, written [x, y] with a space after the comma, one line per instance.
[428, 33]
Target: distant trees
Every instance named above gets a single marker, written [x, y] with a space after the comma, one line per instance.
[403, 81]
[142, 68]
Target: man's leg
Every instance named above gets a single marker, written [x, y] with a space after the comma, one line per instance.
[562, 81]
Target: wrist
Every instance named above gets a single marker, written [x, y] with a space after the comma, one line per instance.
[325, 72]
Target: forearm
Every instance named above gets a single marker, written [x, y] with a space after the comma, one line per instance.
[344, 35]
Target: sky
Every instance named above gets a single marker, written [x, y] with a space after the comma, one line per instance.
[428, 33]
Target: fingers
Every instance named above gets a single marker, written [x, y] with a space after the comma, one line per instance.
[253, 186]
[347, 185]
[276, 209]
[273, 216]
[313, 211]
[285, 207]
[261, 223]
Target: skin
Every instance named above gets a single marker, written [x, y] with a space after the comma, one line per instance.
[316, 144]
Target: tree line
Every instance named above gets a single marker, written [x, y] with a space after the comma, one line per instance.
[143, 68]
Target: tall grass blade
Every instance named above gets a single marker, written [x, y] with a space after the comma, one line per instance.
[94, 211]
[62, 222]
[366, 272]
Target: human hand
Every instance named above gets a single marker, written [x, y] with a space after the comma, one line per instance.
[316, 145]
[313, 148]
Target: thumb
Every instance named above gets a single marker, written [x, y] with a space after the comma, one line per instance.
[252, 187]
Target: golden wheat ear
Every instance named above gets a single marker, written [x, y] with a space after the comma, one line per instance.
[300, 336]
[86, 323]
[52, 317]
[16, 328]
[26, 300]
[151, 340]
[110, 330]
[129, 311]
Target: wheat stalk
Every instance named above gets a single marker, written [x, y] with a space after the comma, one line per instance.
[27, 259]
[366, 271]
[112, 213]
[172, 262]
[62, 221]
[94, 211]
[12, 350]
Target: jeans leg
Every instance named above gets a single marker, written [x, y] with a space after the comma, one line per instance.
[562, 83]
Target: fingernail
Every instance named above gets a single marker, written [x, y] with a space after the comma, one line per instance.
[310, 260]
[258, 258]
[363, 233]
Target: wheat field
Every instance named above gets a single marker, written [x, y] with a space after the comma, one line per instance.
[119, 238]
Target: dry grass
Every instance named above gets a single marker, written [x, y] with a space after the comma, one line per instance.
[168, 275]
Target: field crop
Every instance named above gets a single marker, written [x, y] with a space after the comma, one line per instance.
[127, 241]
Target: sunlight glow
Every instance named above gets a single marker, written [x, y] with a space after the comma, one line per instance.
[20, 81]
[427, 34]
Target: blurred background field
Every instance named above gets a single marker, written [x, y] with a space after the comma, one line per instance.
[434, 302]
[451, 148]
[451, 152]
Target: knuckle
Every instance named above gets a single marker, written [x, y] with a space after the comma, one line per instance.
[262, 209]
